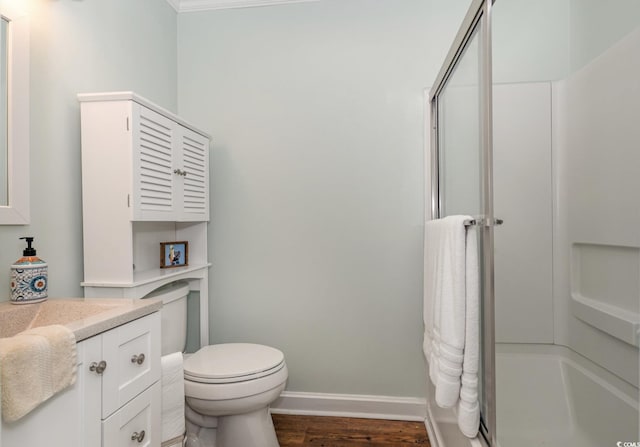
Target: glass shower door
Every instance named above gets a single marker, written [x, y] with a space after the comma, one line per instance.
[459, 137]
[461, 171]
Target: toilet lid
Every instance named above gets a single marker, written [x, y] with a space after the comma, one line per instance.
[232, 362]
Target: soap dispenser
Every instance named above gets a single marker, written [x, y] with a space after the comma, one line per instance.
[29, 277]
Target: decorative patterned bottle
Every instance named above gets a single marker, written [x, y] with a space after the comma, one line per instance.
[29, 277]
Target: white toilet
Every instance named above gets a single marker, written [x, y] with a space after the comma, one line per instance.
[228, 387]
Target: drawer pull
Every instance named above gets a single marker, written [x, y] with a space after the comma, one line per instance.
[139, 359]
[98, 368]
[137, 436]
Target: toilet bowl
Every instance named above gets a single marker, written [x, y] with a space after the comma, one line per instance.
[236, 383]
[228, 387]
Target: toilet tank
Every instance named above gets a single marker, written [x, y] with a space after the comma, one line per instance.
[173, 315]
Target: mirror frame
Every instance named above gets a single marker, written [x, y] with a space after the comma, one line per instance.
[17, 211]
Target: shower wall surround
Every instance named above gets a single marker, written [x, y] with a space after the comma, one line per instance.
[522, 197]
[599, 217]
[581, 62]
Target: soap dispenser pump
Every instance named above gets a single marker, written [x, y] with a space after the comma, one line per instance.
[29, 277]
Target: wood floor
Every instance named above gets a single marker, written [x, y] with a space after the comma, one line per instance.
[316, 431]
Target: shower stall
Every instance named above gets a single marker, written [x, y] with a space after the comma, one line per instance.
[534, 121]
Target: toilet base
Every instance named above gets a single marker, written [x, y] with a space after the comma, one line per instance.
[224, 415]
[198, 436]
[249, 429]
[253, 429]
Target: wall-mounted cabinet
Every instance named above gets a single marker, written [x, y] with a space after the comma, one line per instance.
[170, 179]
[145, 180]
[153, 165]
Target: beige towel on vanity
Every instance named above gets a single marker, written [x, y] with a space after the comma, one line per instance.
[35, 365]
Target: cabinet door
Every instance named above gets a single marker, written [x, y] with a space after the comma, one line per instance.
[128, 373]
[90, 350]
[136, 424]
[68, 419]
[192, 161]
[153, 177]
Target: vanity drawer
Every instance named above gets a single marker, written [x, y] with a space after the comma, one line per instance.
[132, 353]
[137, 423]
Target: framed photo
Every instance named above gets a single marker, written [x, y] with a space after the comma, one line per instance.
[174, 254]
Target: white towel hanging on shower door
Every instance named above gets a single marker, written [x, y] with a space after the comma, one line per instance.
[451, 342]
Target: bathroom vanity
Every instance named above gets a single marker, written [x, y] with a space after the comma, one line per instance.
[116, 398]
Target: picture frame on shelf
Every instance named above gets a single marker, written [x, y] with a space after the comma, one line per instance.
[174, 254]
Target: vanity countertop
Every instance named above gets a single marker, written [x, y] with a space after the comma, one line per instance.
[85, 317]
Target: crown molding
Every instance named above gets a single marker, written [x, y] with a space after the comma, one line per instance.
[207, 5]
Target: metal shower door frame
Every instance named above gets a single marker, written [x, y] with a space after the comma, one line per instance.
[478, 15]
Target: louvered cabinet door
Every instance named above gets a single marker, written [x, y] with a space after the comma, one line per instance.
[154, 180]
[193, 158]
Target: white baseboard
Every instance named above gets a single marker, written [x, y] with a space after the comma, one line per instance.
[435, 438]
[351, 405]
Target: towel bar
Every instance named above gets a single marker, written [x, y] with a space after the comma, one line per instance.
[483, 221]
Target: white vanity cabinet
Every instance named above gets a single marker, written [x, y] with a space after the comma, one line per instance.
[115, 402]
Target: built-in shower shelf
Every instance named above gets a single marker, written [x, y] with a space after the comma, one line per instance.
[621, 323]
[605, 288]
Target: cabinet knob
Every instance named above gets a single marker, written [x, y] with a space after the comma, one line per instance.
[98, 368]
[137, 436]
[139, 359]
[180, 172]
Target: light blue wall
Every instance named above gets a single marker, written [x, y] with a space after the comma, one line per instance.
[596, 26]
[316, 112]
[81, 46]
[530, 40]
[546, 40]
[317, 181]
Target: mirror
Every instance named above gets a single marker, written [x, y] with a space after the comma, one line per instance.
[4, 154]
[14, 116]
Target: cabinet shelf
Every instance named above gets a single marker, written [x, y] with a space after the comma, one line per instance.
[154, 276]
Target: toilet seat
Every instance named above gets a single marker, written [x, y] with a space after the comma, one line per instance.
[232, 363]
[230, 388]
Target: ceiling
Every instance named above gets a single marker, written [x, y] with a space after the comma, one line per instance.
[204, 5]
